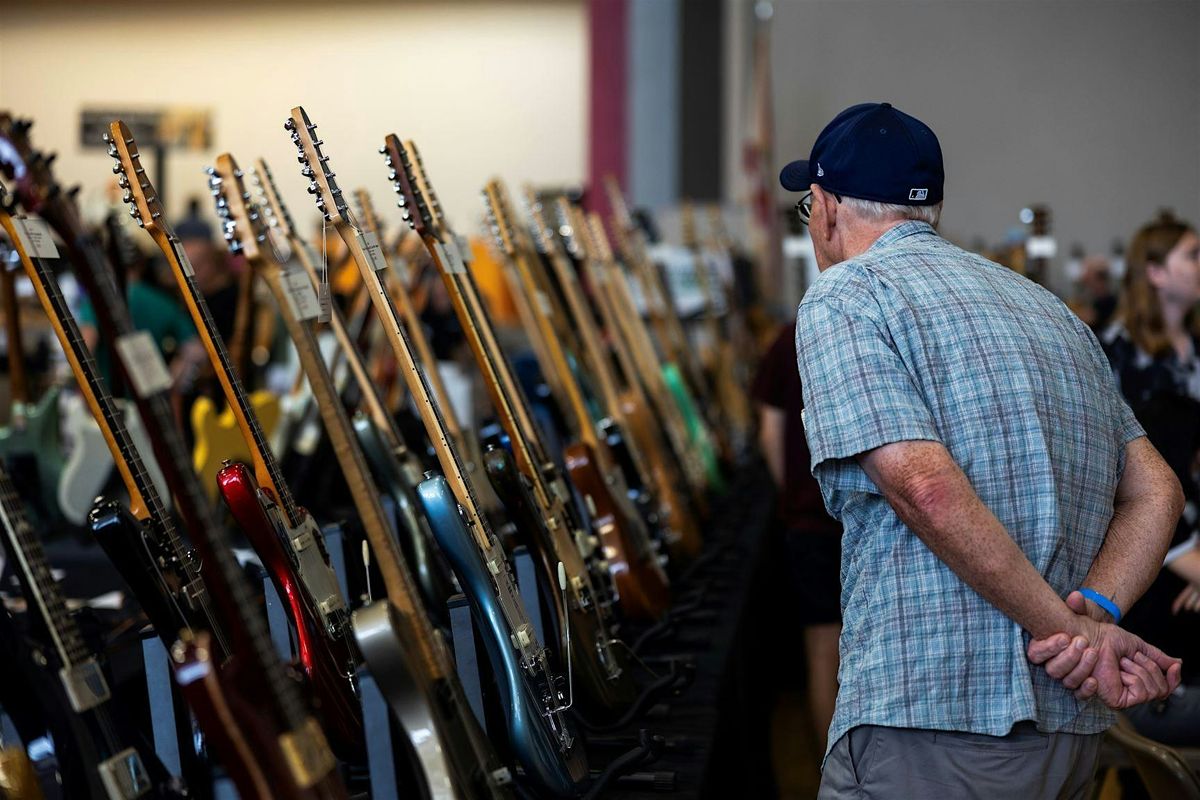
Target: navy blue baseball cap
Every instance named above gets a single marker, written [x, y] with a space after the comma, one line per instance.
[874, 152]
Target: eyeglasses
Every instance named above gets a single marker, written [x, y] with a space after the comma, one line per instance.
[804, 205]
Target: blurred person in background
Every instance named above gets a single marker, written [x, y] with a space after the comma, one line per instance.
[1095, 301]
[1155, 353]
[812, 540]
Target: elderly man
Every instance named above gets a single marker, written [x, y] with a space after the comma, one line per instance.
[965, 429]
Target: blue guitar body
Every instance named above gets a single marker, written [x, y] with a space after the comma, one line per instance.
[529, 734]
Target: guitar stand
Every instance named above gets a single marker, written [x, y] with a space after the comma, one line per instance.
[621, 769]
[679, 677]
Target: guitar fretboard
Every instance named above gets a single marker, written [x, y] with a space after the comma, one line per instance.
[26, 549]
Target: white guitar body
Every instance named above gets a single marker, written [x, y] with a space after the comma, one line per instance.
[89, 462]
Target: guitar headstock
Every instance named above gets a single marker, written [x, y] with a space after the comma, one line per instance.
[143, 200]
[496, 201]
[599, 237]
[28, 169]
[314, 165]
[412, 200]
[573, 236]
[435, 205]
[270, 201]
[543, 237]
[616, 200]
[366, 211]
[243, 227]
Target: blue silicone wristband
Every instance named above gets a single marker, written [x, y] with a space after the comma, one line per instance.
[1103, 602]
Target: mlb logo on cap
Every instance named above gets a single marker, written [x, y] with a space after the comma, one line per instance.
[873, 152]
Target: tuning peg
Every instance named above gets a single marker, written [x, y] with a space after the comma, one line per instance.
[237, 173]
[127, 197]
[289, 124]
[306, 171]
[122, 181]
[106, 137]
[312, 188]
[302, 158]
[210, 171]
[118, 169]
[133, 212]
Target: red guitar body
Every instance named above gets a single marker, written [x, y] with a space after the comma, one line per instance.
[325, 657]
[642, 588]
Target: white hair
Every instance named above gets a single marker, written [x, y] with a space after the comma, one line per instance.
[885, 212]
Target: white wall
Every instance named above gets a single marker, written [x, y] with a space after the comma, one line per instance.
[1092, 106]
[484, 88]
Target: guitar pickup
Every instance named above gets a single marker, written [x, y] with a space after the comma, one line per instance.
[85, 685]
[124, 776]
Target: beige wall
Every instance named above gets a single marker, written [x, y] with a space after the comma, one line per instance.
[484, 88]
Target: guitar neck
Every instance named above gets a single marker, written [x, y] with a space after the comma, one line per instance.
[40, 587]
[266, 469]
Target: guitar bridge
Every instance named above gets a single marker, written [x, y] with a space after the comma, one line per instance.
[124, 776]
[85, 685]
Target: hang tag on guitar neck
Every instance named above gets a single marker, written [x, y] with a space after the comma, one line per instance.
[301, 298]
[35, 237]
[143, 363]
[450, 256]
[369, 243]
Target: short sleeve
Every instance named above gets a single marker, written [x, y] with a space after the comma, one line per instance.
[858, 393]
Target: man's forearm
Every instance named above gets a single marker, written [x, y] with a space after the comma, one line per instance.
[934, 498]
[1145, 510]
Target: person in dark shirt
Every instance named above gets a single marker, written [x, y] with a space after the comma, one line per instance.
[812, 539]
[1155, 356]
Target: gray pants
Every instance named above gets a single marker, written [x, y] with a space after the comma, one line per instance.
[874, 763]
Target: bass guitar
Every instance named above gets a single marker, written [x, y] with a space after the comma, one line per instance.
[533, 694]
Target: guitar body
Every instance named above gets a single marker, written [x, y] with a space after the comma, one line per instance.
[684, 537]
[218, 437]
[415, 538]
[530, 738]
[640, 583]
[233, 728]
[146, 565]
[698, 432]
[378, 630]
[605, 690]
[38, 435]
[17, 778]
[306, 584]
[89, 464]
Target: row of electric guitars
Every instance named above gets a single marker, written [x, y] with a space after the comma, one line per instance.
[608, 507]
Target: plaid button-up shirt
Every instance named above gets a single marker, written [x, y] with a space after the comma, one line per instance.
[917, 339]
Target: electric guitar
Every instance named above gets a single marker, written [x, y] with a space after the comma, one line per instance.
[219, 438]
[532, 693]
[607, 684]
[297, 301]
[285, 536]
[639, 581]
[115, 770]
[164, 574]
[626, 403]
[681, 370]
[250, 709]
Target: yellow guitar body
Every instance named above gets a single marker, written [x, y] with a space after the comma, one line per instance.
[218, 437]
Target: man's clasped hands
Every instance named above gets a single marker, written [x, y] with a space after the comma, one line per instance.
[1095, 658]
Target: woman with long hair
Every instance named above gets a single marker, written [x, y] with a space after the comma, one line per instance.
[1155, 353]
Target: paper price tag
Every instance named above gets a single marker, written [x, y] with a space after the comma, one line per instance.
[181, 254]
[35, 237]
[464, 248]
[370, 245]
[453, 262]
[143, 363]
[300, 295]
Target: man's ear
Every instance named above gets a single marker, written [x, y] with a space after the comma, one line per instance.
[828, 211]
